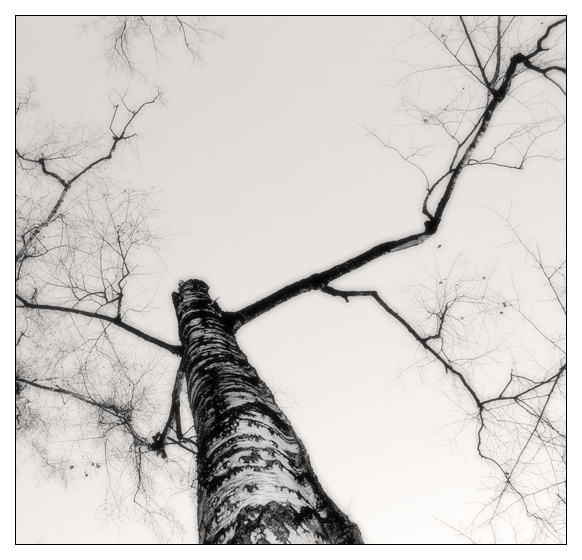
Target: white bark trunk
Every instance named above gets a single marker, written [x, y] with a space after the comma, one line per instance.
[255, 483]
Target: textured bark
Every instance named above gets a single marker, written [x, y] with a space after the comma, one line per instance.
[255, 483]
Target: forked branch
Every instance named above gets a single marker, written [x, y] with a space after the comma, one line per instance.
[121, 135]
[460, 161]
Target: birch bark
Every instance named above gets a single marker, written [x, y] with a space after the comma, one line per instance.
[255, 483]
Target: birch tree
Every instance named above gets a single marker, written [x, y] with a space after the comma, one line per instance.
[88, 368]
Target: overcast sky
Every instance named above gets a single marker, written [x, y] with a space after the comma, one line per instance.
[265, 175]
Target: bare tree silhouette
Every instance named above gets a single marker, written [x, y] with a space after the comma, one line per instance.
[88, 394]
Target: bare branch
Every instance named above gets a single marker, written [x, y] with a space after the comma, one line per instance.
[422, 340]
[66, 184]
[113, 320]
[460, 160]
[486, 82]
[126, 36]
[321, 279]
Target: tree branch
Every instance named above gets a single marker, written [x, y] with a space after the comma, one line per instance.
[486, 82]
[67, 184]
[423, 341]
[174, 349]
[160, 439]
[514, 474]
[321, 279]
[122, 414]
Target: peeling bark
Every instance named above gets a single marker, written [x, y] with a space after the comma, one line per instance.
[255, 483]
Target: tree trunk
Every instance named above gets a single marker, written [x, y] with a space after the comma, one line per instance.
[255, 483]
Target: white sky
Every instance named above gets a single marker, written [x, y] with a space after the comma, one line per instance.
[262, 164]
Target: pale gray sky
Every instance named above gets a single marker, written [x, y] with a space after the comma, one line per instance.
[265, 176]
